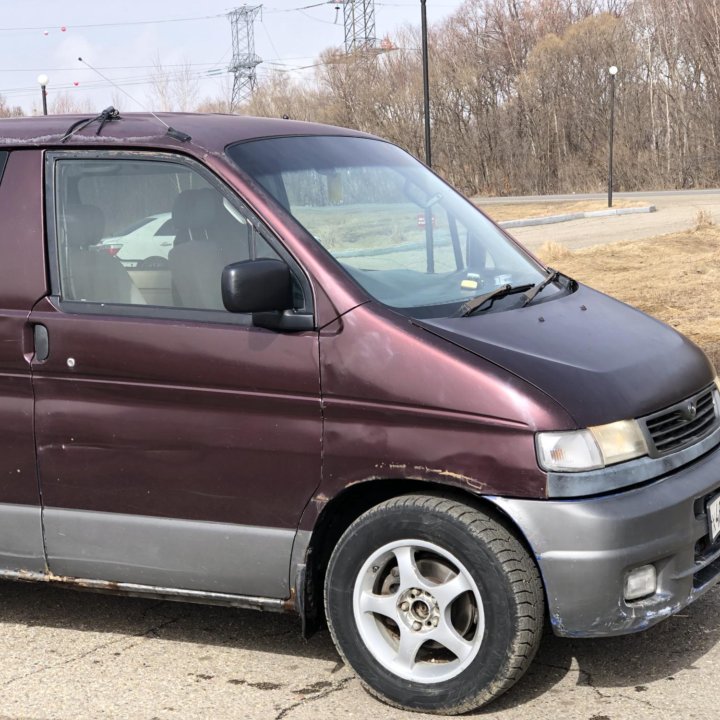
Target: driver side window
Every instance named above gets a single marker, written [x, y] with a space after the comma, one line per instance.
[146, 232]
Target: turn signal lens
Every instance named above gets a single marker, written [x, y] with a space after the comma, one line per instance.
[568, 451]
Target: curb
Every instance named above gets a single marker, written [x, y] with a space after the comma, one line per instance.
[550, 219]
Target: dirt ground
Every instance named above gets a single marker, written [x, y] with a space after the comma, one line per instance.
[675, 278]
[499, 211]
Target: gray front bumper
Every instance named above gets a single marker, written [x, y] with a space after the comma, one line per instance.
[585, 548]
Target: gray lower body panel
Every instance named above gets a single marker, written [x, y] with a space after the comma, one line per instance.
[585, 548]
[146, 591]
[170, 553]
[21, 538]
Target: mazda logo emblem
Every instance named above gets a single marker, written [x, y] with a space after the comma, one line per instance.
[689, 412]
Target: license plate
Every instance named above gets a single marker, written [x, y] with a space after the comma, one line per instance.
[713, 513]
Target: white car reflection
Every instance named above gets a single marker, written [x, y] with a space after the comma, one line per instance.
[145, 242]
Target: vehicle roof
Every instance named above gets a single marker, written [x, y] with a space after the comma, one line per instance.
[212, 132]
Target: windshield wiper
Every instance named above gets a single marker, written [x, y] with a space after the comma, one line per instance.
[108, 114]
[540, 286]
[469, 307]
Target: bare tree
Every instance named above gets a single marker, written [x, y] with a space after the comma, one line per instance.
[174, 89]
[65, 104]
[160, 95]
[9, 110]
[186, 87]
[520, 94]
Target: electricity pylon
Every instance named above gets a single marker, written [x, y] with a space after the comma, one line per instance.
[244, 60]
[359, 19]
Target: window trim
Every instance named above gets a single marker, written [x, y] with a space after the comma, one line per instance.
[4, 155]
[161, 312]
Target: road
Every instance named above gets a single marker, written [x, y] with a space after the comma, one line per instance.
[73, 656]
[676, 211]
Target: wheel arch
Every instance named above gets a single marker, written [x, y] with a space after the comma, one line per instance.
[348, 505]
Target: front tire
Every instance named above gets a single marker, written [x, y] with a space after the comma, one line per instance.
[435, 605]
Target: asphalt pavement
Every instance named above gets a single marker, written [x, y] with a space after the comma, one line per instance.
[677, 210]
[68, 655]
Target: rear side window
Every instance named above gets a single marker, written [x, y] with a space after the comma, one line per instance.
[3, 161]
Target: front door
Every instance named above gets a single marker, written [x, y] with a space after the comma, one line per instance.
[22, 282]
[177, 444]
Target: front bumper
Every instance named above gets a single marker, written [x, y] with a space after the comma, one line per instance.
[584, 549]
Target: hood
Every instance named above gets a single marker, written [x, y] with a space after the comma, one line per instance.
[599, 358]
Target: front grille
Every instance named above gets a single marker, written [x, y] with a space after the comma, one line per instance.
[681, 425]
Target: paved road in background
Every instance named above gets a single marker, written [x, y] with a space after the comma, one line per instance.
[676, 211]
[74, 656]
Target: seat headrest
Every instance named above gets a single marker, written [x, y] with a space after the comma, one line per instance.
[196, 209]
[84, 225]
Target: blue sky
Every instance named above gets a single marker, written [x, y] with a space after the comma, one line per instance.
[32, 42]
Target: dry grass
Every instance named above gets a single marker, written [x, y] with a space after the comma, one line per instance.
[675, 278]
[703, 220]
[517, 211]
[552, 252]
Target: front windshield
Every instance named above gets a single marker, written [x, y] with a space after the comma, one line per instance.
[409, 239]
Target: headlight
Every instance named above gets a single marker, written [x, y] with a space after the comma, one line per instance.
[590, 449]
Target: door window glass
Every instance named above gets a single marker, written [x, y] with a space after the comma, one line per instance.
[146, 232]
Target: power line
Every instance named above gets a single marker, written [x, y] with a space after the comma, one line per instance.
[310, 17]
[362, 34]
[296, 9]
[107, 67]
[218, 63]
[270, 40]
[97, 84]
[111, 24]
[162, 21]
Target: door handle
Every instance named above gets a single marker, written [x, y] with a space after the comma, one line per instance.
[41, 340]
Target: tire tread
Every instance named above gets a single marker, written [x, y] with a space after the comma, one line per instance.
[523, 580]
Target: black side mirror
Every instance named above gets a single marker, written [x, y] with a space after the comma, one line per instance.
[264, 288]
[257, 286]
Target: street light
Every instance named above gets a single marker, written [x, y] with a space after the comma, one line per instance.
[613, 72]
[43, 81]
[426, 83]
[429, 246]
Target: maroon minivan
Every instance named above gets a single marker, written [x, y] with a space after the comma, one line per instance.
[235, 368]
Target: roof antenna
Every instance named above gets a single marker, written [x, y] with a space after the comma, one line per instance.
[172, 132]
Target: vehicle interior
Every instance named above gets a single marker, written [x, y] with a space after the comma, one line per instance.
[101, 262]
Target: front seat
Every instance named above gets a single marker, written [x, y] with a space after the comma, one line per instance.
[92, 274]
[196, 261]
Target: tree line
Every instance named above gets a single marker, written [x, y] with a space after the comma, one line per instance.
[520, 94]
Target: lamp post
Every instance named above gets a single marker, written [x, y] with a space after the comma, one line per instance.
[43, 81]
[426, 83]
[613, 72]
